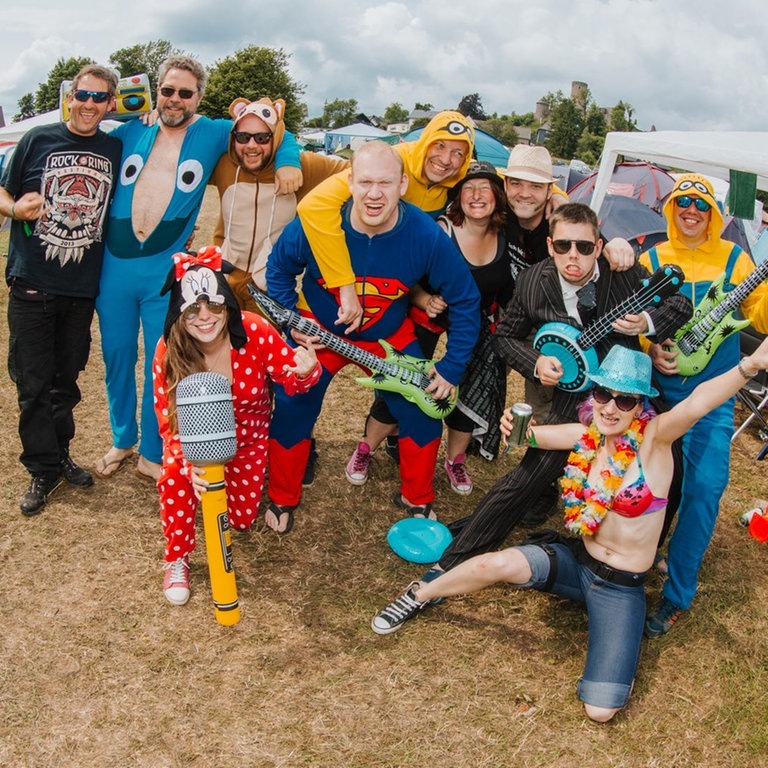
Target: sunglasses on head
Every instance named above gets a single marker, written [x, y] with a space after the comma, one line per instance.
[184, 93]
[603, 396]
[99, 97]
[193, 310]
[243, 137]
[684, 201]
[584, 247]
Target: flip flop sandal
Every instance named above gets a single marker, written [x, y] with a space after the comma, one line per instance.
[277, 511]
[414, 510]
[101, 467]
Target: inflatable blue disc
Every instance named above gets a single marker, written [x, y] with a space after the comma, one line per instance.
[419, 540]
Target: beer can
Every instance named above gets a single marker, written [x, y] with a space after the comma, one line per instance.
[747, 517]
[521, 419]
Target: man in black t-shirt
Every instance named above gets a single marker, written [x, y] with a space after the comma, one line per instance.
[528, 185]
[56, 191]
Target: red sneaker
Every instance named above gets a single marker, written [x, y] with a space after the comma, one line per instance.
[357, 467]
[176, 581]
[457, 474]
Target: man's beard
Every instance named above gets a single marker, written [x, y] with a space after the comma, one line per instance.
[264, 160]
[175, 121]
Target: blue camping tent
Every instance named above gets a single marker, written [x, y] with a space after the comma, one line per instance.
[486, 147]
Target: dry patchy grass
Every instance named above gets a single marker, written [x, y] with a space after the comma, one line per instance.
[98, 670]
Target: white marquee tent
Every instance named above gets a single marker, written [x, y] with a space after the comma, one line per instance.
[711, 153]
[15, 131]
[353, 136]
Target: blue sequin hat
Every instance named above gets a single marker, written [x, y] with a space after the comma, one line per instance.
[625, 370]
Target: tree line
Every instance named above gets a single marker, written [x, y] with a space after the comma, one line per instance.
[576, 128]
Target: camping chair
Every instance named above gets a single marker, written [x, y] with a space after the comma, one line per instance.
[754, 394]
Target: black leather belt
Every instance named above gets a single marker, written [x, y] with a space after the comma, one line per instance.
[605, 572]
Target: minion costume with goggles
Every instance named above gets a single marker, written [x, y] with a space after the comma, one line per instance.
[694, 224]
[320, 211]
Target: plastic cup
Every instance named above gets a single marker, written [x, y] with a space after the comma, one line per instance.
[758, 528]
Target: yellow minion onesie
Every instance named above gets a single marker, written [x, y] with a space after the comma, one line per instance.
[320, 211]
[694, 224]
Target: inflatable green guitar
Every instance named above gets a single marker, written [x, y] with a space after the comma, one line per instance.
[713, 321]
[395, 372]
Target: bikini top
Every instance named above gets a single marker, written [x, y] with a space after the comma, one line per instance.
[637, 499]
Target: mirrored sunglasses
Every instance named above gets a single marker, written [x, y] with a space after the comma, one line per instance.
[193, 310]
[99, 97]
[243, 137]
[684, 201]
[603, 396]
[584, 247]
[184, 93]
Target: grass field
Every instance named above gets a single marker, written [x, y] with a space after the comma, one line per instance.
[98, 670]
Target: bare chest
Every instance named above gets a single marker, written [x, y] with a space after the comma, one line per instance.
[156, 184]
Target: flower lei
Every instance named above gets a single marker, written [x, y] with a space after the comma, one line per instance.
[586, 506]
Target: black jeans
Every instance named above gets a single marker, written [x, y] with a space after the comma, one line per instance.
[502, 508]
[48, 346]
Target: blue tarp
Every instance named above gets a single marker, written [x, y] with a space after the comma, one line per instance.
[486, 147]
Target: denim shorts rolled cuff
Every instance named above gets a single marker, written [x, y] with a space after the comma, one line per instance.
[603, 694]
[540, 564]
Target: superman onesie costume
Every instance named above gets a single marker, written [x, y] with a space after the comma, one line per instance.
[387, 266]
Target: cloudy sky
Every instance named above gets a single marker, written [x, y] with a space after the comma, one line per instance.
[697, 65]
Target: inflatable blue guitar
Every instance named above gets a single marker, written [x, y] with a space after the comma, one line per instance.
[574, 348]
[395, 372]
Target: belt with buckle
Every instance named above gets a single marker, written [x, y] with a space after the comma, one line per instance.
[605, 572]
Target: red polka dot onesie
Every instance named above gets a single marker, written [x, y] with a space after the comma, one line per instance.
[264, 354]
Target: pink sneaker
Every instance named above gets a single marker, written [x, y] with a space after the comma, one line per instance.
[176, 581]
[458, 476]
[357, 467]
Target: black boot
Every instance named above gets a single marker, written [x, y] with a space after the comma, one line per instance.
[74, 474]
[41, 486]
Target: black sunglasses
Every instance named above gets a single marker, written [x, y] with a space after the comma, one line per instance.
[603, 396]
[243, 137]
[193, 310]
[584, 247]
[184, 93]
[99, 97]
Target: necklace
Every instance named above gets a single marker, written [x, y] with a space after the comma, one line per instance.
[585, 505]
[225, 347]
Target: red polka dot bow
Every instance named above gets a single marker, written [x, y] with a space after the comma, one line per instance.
[210, 256]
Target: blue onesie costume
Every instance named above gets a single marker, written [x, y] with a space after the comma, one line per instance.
[134, 271]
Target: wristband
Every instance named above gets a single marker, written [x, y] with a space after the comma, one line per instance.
[741, 370]
[13, 216]
[532, 439]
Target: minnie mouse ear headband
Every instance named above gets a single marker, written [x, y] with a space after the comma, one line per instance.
[200, 276]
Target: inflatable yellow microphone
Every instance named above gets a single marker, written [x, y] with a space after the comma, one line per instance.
[208, 439]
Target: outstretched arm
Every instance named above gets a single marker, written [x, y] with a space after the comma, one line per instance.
[709, 394]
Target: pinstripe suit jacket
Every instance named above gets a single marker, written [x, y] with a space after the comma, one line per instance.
[538, 299]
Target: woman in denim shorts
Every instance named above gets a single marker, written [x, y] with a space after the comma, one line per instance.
[614, 489]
